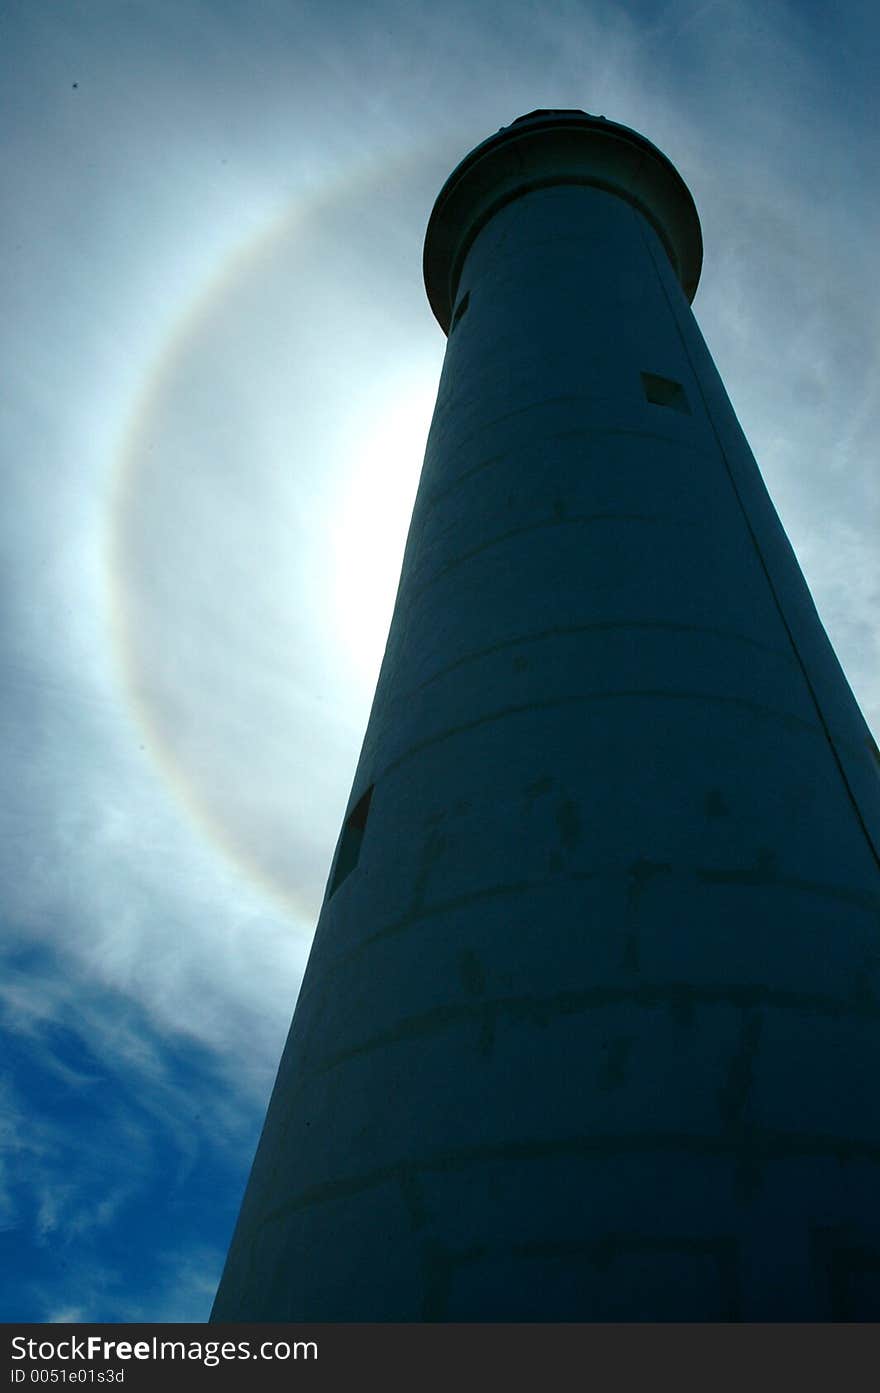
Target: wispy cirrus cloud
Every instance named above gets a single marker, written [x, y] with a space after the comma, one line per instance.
[119, 1144]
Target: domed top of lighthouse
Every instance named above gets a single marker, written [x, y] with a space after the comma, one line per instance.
[547, 147]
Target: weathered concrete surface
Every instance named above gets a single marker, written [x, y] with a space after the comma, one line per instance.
[591, 1029]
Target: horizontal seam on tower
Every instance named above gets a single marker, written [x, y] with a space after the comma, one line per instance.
[603, 626]
[758, 1144]
[673, 996]
[565, 434]
[719, 875]
[580, 520]
[642, 693]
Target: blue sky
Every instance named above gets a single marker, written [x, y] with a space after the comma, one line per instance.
[218, 373]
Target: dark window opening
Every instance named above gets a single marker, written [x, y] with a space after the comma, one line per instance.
[662, 391]
[350, 841]
[460, 309]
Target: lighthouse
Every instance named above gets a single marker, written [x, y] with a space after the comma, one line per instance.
[590, 1029]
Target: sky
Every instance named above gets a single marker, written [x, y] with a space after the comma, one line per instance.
[218, 371]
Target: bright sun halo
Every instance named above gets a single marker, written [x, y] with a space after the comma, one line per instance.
[372, 519]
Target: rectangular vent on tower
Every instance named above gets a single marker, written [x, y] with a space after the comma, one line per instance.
[662, 391]
[350, 841]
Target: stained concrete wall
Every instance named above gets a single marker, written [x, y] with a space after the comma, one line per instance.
[590, 1030]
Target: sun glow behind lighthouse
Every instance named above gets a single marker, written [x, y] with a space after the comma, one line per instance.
[373, 511]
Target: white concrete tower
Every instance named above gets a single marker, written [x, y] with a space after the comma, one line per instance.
[590, 1027]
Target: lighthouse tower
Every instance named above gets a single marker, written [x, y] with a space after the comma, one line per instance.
[590, 1028]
